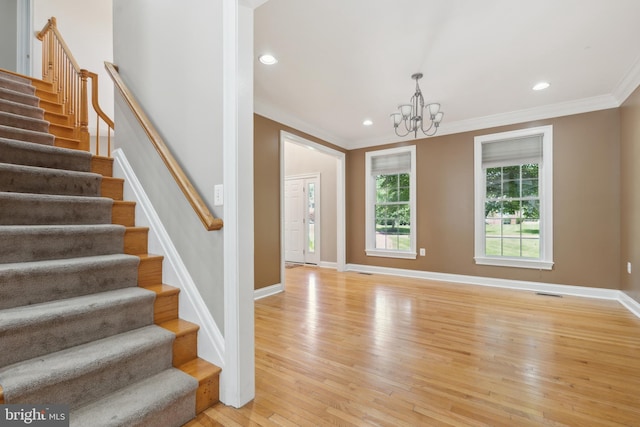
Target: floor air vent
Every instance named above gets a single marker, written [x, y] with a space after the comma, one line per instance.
[545, 294]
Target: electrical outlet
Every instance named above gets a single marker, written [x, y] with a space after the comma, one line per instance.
[629, 267]
[422, 252]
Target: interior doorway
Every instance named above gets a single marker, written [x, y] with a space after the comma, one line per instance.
[328, 232]
[302, 219]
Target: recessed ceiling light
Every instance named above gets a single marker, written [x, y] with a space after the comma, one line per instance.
[268, 59]
[367, 122]
[541, 86]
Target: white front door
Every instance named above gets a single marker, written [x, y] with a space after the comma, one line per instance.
[294, 220]
[302, 220]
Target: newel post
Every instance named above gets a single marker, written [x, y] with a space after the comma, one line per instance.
[84, 111]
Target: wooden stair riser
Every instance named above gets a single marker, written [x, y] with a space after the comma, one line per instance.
[58, 119]
[185, 346]
[47, 95]
[62, 131]
[136, 240]
[72, 143]
[150, 270]
[41, 85]
[53, 107]
[208, 377]
[166, 305]
[112, 187]
[123, 213]
[102, 165]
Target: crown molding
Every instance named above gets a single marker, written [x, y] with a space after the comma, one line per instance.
[269, 111]
[628, 83]
[579, 106]
[585, 105]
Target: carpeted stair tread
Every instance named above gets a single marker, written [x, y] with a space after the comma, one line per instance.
[24, 123]
[32, 136]
[22, 98]
[39, 180]
[42, 242]
[17, 84]
[21, 109]
[27, 208]
[28, 154]
[38, 329]
[27, 283]
[10, 76]
[85, 373]
[167, 399]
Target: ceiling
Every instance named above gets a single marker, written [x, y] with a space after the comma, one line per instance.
[343, 61]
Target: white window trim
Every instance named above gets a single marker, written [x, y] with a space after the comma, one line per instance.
[546, 200]
[370, 233]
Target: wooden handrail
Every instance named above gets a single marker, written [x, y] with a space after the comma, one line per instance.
[101, 114]
[196, 202]
[69, 82]
[52, 25]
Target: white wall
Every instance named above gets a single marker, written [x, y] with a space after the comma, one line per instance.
[86, 26]
[8, 34]
[299, 160]
[169, 56]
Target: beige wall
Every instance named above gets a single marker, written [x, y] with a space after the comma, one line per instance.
[266, 146]
[630, 194]
[299, 160]
[586, 204]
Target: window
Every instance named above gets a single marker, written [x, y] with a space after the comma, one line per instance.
[390, 202]
[513, 199]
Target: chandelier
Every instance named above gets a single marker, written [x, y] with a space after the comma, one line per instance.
[412, 115]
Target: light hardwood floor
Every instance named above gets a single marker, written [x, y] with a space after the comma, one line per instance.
[352, 349]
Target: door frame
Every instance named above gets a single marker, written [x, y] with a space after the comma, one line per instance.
[24, 48]
[340, 198]
[318, 214]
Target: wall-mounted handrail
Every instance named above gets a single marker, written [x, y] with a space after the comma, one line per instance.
[196, 202]
[69, 82]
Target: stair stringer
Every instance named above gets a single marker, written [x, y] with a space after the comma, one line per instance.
[191, 305]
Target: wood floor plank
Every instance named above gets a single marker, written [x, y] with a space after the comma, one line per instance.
[358, 350]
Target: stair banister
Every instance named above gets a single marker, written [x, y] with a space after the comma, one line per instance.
[208, 220]
[60, 68]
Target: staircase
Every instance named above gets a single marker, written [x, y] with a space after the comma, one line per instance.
[85, 319]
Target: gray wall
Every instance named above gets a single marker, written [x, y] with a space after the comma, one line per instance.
[8, 34]
[169, 56]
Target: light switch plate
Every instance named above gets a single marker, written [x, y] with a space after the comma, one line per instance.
[218, 195]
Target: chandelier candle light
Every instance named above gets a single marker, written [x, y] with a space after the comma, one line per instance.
[412, 114]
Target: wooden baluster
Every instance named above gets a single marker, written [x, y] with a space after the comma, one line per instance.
[84, 112]
[97, 132]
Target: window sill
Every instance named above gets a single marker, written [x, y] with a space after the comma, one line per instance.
[391, 254]
[515, 262]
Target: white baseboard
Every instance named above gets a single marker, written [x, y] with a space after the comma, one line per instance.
[631, 304]
[268, 291]
[581, 291]
[327, 264]
[192, 307]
